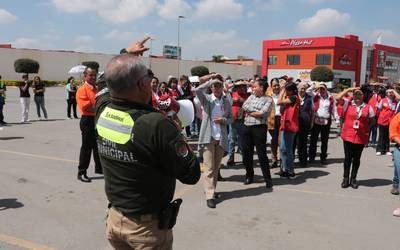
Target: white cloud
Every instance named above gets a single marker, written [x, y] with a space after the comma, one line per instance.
[251, 14]
[388, 37]
[207, 43]
[319, 1]
[83, 39]
[6, 17]
[120, 35]
[128, 10]
[270, 4]
[227, 9]
[171, 9]
[76, 6]
[115, 11]
[31, 43]
[325, 21]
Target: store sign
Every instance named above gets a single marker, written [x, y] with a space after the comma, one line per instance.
[345, 60]
[304, 75]
[295, 43]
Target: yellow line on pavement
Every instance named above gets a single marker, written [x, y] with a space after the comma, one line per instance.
[330, 194]
[38, 156]
[23, 243]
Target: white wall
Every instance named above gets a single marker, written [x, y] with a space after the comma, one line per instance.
[54, 65]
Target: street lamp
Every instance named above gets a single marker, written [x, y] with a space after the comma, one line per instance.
[178, 50]
[151, 51]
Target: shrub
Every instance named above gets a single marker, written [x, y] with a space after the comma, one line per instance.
[26, 65]
[321, 74]
[199, 71]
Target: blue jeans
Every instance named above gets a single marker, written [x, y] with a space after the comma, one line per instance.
[373, 132]
[396, 157]
[234, 135]
[195, 126]
[286, 150]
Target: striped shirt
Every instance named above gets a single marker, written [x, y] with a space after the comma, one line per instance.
[255, 104]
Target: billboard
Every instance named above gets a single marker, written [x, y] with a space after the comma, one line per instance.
[170, 51]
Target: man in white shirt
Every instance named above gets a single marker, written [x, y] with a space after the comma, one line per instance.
[324, 110]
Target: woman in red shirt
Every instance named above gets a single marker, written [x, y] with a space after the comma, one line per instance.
[358, 116]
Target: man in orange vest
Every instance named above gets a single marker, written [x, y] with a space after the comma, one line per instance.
[394, 133]
[86, 100]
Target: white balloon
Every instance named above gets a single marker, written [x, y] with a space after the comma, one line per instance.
[186, 112]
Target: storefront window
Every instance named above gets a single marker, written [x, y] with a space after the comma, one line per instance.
[293, 60]
[323, 59]
[272, 60]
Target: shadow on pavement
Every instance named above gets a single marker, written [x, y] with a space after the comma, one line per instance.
[10, 203]
[301, 177]
[374, 182]
[242, 193]
[11, 138]
[97, 178]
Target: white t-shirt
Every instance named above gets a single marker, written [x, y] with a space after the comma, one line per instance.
[217, 112]
[276, 106]
[323, 109]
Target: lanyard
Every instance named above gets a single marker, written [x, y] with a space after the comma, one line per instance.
[358, 109]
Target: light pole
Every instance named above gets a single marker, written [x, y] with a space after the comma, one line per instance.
[178, 50]
[151, 51]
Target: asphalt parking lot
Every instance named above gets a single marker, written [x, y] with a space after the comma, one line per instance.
[43, 206]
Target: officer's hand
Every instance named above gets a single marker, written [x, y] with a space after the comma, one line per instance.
[137, 47]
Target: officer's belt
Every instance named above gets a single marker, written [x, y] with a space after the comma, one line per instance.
[138, 217]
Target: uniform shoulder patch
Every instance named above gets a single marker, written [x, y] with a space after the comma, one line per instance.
[181, 148]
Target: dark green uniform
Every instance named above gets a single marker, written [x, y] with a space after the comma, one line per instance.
[142, 154]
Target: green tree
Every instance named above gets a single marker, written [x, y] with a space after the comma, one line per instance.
[26, 66]
[217, 58]
[199, 71]
[91, 64]
[321, 74]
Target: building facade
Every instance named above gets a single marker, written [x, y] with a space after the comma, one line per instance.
[54, 65]
[297, 57]
[380, 63]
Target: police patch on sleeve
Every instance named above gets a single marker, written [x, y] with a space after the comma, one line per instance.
[181, 148]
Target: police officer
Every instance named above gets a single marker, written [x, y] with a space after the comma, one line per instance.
[142, 154]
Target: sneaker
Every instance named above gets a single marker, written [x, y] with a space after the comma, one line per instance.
[292, 176]
[396, 212]
[389, 153]
[284, 174]
[378, 153]
[394, 191]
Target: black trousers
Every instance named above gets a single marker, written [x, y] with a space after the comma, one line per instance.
[302, 140]
[89, 144]
[255, 136]
[315, 131]
[71, 103]
[1, 112]
[352, 156]
[383, 139]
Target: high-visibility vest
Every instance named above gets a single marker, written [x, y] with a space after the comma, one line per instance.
[290, 117]
[115, 125]
[387, 112]
[349, 133]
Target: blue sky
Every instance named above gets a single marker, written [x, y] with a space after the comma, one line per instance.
[225, 27]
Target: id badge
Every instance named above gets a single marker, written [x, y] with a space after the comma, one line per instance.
[356, 124]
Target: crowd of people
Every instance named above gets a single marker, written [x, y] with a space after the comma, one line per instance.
[132, 128]
[289, 115]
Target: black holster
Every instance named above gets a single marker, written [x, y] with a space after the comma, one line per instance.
[167, 216]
